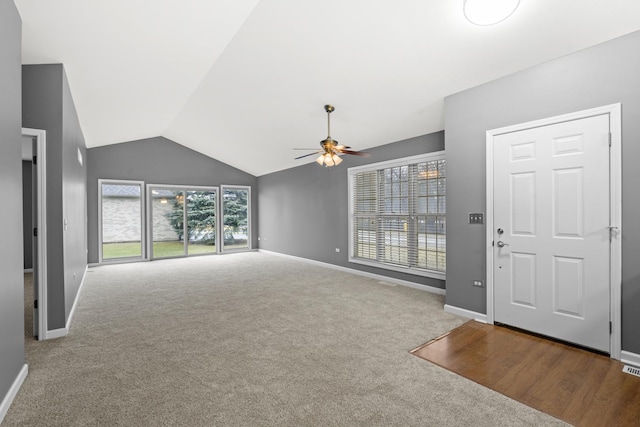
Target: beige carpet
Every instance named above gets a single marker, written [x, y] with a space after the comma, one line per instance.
[251, 339]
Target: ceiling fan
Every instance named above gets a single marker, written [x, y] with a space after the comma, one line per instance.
[330, 151]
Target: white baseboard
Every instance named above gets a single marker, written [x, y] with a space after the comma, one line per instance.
[13, 391]
[63, 332]
[629, 358]
[400, 282]
[28, 270]
[57, 333]
[75, 301]
[465, 313]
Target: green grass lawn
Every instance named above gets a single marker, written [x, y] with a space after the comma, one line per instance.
[160, 249]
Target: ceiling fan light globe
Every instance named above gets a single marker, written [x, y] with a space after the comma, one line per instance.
[336, 159]
[320, 159]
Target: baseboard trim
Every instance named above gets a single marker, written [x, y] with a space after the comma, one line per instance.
[13, 391]
[629, 358]
[465, 313]
[57, 333]
[400, 282]
[28, 270]
[63, 332]
[75, 301]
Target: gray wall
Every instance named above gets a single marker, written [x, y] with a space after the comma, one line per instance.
[604, 74]
[27, 215]
[304, 210]
[47, 104]
[158, 161]
[11, 278]
[74, 198]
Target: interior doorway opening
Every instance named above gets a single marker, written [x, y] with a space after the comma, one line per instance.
[34, 231]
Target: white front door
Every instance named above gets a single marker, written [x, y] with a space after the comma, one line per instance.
[551, 217]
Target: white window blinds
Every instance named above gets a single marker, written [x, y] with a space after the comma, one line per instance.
[397, 218]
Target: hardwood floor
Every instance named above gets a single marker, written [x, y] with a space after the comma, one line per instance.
[575, 385]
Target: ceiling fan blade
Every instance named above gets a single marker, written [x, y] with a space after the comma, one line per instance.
[341, 147]
[355, 153]
[307, 155]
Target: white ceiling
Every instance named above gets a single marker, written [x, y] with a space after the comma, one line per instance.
[245, 81]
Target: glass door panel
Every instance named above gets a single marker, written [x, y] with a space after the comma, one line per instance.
[167, 222]
[121, 220]
[235, 211]
[201, 222]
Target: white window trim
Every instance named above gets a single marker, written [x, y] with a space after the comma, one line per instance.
[184, 188]
[142, 220]
[351, 172]
[237, 187]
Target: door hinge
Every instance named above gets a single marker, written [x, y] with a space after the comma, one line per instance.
[35, 304]
[35, 160]
[610, 328]
[609, 139]
[35, 232]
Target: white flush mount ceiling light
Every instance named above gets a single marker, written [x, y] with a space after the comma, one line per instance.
[489, 12]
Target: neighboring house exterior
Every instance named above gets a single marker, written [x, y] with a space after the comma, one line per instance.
[121, 214]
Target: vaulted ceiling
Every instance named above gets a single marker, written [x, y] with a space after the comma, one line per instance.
[245, 81]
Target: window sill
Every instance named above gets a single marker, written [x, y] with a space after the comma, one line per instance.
[415, 271]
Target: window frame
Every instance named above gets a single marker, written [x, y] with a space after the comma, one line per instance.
[236, 187]
[143, 240]
[184, 189]
[412, 200]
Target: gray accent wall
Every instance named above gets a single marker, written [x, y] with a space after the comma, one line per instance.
[74, 198]
[11, 277]
[304, 210]
[158, 161]
[604, 74]
[47, 104]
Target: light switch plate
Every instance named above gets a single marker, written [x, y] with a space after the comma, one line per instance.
[476, 218]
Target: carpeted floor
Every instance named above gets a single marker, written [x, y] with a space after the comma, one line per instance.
[251, 339]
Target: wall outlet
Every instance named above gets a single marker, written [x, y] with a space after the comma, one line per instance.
[478, 283]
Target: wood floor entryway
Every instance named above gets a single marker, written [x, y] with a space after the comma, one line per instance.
[577, 386]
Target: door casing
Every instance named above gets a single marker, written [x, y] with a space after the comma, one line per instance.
[615, 206]
[40, 279]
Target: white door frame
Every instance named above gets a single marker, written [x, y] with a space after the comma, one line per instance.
[41, 224]
[143, 239]
[185, 188]
[221, 214]
[615, 203]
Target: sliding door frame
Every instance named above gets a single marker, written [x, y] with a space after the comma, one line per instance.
[143, 255]
[185, 189]
[236, 187]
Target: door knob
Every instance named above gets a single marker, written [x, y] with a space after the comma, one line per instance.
[501, 244]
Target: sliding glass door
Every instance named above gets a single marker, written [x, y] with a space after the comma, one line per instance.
[167, 222]
[120, 217]
[183, 220]
[236, 218]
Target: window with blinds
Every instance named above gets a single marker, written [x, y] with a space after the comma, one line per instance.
[397, 215]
